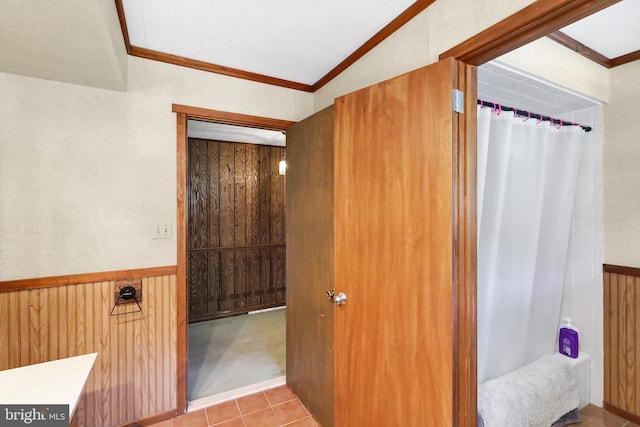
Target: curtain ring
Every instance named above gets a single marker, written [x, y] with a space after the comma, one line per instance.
[528, 116]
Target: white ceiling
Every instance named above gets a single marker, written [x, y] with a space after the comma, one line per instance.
[296, 40]
[502, 84]
[231, 133]
[612, 32]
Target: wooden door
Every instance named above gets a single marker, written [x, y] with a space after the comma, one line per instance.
[236, 228]
[309, 211]
[395, 206]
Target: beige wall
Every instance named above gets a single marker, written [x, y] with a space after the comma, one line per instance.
[91, 171]
[621, 201]
[86, 172]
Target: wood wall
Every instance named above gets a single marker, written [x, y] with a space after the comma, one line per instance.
[622, 341]
[236, 240]
[134, 376]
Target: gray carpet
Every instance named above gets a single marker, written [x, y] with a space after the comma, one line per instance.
[233, 352]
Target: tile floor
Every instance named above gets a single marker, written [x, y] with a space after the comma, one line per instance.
[279, 407]
[593, 416]
[275, 407]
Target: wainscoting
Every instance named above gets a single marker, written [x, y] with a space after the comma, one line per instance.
[622, 341]
[134, 376]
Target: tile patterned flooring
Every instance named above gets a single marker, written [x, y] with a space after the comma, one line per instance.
[278, 407]
[275, 407]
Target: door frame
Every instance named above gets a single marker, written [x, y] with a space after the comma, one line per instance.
[531, 23]
[540, 18]
[183, 114]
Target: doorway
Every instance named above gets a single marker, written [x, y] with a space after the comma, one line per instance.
[508, 86]
[235, 251]
[233, 337]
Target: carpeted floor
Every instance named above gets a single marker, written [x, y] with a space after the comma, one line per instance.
[226, 354]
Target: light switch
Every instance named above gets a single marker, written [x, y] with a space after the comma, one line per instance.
[162, 231]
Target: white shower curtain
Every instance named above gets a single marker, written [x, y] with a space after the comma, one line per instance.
[527, 174]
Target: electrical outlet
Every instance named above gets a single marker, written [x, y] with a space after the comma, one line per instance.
[162, 231]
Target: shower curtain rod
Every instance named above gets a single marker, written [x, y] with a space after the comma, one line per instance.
[527, 115]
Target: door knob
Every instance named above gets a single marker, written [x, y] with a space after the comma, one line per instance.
[340, 299]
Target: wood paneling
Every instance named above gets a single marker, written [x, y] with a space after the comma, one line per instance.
[134, 375]
[310, 263]
[622, 341]
[236, 209]
[534, 21]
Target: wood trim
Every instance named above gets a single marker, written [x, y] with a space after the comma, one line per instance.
[577, 47]
[622, 413]
[231, 118]
[534, 21]
[123, 25]
[618, 269]
[587, 52]
[214, 68]
[181, 274]
[184, 113]
[149, 421]
[625, 59]
[235, 248]
[231, 313]
[75, 279]
[380, 36]
[464, 255]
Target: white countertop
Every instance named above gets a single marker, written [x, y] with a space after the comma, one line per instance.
[56, 382]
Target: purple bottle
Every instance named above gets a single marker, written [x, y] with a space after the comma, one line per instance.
[568, 342]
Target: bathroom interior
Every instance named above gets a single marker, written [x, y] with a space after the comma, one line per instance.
[578, 295]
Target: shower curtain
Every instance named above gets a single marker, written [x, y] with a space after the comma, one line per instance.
[527, 174]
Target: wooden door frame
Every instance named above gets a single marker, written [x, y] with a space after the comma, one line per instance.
[183, 114]
[537, 20]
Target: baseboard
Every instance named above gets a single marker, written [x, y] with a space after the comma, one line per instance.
[197, 404]
[622, 413]
[163, 416]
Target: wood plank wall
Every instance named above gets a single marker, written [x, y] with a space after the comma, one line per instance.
[622, 341]
[236, 244]
[134, 376]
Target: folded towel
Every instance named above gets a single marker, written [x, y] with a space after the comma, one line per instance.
[536, 395]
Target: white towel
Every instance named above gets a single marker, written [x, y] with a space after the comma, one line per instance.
[535, 395]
